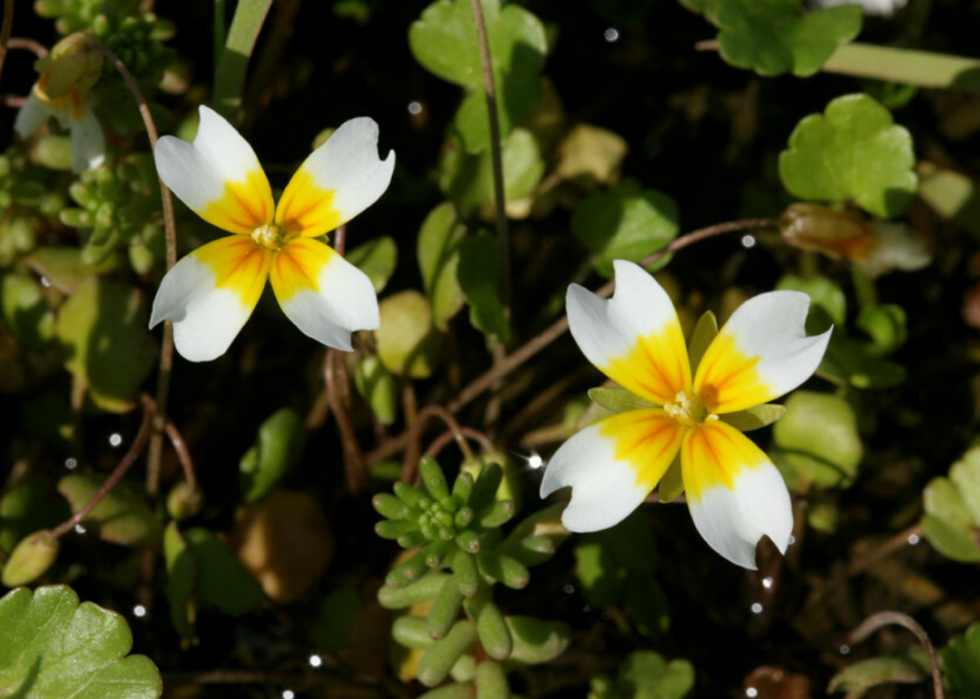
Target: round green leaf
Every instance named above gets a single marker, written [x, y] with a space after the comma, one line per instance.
[377, 259]
[818, 442]
[961, 663]
[853, 152]
[408, 343]
[438, 255]
[378, 387]
[647, 675]
[25, 311]
[772, 37]
[625, 222]
[221, 580]
[952, 520]
[121, 517]
[822, 292]
[278, 448]
[52, 648]
[103, 335]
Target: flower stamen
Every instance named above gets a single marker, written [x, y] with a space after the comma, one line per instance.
[270, 237]
[688, 410]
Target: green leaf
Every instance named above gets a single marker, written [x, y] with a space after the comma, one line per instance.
[443, 654]
[444, 41]
[952, 195]
[334, 620]
[772, 37]
[30, 559]
[52, 647]
[221, 578]
[754, 418]
[27, 507]
[961, 663]
[121, 517]
[468, 179]
[438, 255]
[854, 153]
[25, 312]
[817, 441]
[479, 278]
[647, 675]
[886, 325]
[865, 674]
[377, 387]
[952, 505]
[278, 448]
[377, 259]
[103, 336]
[625, 222]
[672, 483]
[537, 641]
[63, 266]
[618, 400]
[181, 577]
[822, 292]
[704, 334]
[408, 342]
[491, 681]
[850, 361]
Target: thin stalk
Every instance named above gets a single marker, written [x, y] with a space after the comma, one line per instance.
[414, 447]
[443, 440]
[905, 538]
[219, 32]
[170, 229]
[183, 455]
[877, 621]
[503, 234]
[124, 465]
[35, 47]
[354, 467]
[8, 27]
[229, 77]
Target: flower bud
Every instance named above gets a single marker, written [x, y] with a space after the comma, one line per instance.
[71, 69]
[834, 233]
[30, 559]
[184, 501]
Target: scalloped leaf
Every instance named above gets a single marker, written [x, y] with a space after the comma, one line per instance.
[854, 153]
[952, 519]
[444, 41]
[121, 517]
[773, 37]
[52, 647]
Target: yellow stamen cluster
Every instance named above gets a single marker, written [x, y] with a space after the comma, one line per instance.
[270, 237]
[688, 410]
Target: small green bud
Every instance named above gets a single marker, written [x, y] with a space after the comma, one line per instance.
[491, 681]
[437, 552]
[183, 501]
[497, 514]
[75, 218]
[462, 488]
[392, 529]
[466, 573]
[468, 540]
[30, 559]
[442, 655]
[391, 507]
[485, 488]
[433, 478]
[505, 569]
[444, 610]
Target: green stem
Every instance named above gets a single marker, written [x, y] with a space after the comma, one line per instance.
[239, 44]
[864, 287]
[920, 68]
[219, 32]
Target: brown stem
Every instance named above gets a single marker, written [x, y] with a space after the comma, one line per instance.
[124, 465]
[503, 235]
[15, 101]
[354, 468]
[896, 543]
[183, 455]
[340, 239]
[706, 45]
[8, 26]
[170, 228]
[19, 42]
[440, 442]
[414, 447]
[876, 621]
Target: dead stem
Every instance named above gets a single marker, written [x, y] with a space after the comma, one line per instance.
[335, 372]
[170, 227]
[414, 447]
[896, 543]
[876, 621]
[8, 27]
[23, 43]
[124, 465]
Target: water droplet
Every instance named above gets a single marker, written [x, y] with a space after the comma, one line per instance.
[756, 608]
[414, 108]
[845, 649]
[79, 529]
[316, 661]
[115, 439]
[139, 611]
[914, 539]
[535, 461]
[611, 35]
[288, 694]
[748, 241]
[751, 692]
[71, 463]
[767, 582]
[45, 281]
[568, 589]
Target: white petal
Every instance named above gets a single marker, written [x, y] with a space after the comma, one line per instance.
[217, 176]
[612, 466]
[899, 247]
[31, 116]
[337, 181]
[761, 353]
[87, 142]
[634, 338]
[735, 495]
[340, 300]
[207, 304]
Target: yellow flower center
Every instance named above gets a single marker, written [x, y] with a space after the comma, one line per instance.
[688, 410]
[271, 237]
